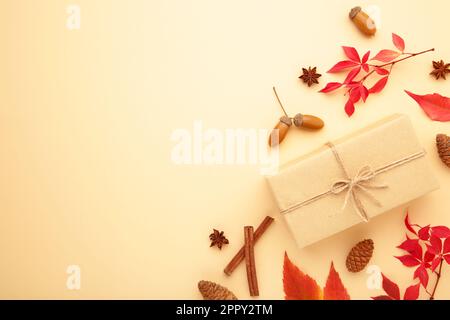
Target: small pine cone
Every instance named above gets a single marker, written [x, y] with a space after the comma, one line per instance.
[214, 291]
[359, 256]
[443, 146]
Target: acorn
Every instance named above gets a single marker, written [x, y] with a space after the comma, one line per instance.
[362, 21]
[285, 123]
[282, 127]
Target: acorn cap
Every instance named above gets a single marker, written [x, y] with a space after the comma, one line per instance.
[354, 12]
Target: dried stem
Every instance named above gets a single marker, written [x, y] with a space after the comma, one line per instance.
[279, 101]
[438, 278]
[409, 55]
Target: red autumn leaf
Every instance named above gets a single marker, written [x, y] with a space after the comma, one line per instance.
[349, 107]
[342, 65]
[422, 273]
[435, 246]
[391, 288]
[334, 289]
[436, 107]
[366, 57]
[384, 297]
[435, 263]
[386, 55]
[297, 285]
[331, 87]
[447, 246]
[424, 233]
[409, 245]
[351, 53]
[399, 43]
[412, 292]
[352, 74]
[364, 93]
[408, 224]
[355, 94]
[377, 87]
[408, 260]
[365, 67]
[440, 231]
[381, 71]
[447, 258]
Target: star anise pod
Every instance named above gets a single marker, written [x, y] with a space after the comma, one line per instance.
[217, 239]
[440, 69]
[310, 76]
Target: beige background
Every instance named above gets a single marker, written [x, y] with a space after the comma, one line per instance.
[85, 124]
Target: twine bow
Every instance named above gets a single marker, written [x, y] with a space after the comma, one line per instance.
[361, 182]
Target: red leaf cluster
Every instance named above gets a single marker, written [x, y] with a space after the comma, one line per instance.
[299, 286]
[426, 250]
[359, 69]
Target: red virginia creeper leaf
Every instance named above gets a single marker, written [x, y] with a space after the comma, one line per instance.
[297, 285]
[440, 231]
[366, 57]
[408, 224]
[409, 245]
[386, 55]
[365, 67]
[399, 43]
[435, 263]
[334, 289]
[381, 71]
[331, 87]
[342, 65]
[351, 53]
[436, 245]
[447, 258]
[364, 93]
[352, 74]
[391, 288]
[424, 233]
[382, 298]
[355, 94]
[412, 292]
[436, 107]
[408, 260]
[446, 246]
[349, 107]
[377, 87]
[422, 274]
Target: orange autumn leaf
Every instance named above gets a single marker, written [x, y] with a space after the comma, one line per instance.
[299, 286]
[334, 288]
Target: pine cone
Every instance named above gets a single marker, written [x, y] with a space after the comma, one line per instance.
[443, 146]
[359, 256]
[214, 291]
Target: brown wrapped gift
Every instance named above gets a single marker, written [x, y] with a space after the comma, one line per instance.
[352, 180]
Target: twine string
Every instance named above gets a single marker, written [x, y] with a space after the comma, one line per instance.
[360, 183]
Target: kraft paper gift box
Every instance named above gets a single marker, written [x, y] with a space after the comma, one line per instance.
[352, 180]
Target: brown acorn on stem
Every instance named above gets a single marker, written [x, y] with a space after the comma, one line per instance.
[284, 124]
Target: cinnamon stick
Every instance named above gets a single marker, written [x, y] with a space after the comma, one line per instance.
[239, 257]
[250, 261]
